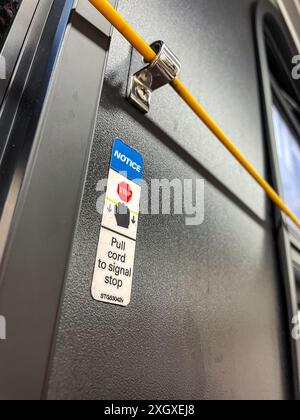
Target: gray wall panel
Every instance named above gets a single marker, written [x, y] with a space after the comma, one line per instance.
[41, 236]
[207, 317]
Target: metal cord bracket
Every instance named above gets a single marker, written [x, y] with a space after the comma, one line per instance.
[162, 71]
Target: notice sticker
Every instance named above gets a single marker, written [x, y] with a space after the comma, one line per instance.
[112, 282]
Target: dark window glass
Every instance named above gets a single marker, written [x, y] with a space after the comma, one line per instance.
[289, 160]
[297, 274]
[8, 11]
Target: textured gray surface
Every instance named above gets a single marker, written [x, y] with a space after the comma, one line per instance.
[207, 316]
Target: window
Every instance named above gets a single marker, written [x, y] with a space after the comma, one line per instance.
[285, 114]
[8, 11]
[288, 148]
[281, 105]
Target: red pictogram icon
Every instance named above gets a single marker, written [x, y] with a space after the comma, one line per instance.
[125, 192]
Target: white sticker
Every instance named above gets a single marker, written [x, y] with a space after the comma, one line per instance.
[112, 282]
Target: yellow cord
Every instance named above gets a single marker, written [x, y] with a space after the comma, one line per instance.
[114, 17]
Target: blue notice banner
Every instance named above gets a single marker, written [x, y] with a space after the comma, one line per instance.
[127, 161]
